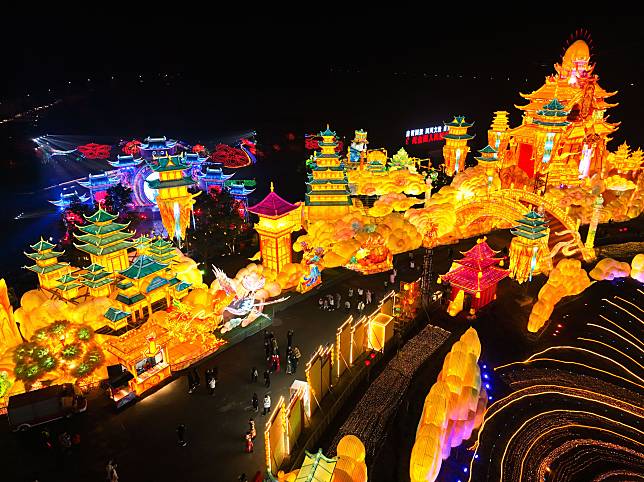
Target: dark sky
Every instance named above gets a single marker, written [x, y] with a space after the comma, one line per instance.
[46, 53]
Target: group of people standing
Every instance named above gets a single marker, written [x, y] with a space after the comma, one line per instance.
[332, 302]
[194, 380]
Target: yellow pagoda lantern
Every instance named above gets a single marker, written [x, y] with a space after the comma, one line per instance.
[173, 199]
[529, 247]
[47, 266]
[456, 148]
[495, 135]
[278, 218]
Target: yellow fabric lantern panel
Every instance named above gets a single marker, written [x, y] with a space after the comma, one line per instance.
[425, 461]
[351, 446]
[637, 268]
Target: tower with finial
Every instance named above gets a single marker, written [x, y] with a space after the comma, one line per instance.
[278, 218]
[456, 148]
[327, 194]
[496, 133]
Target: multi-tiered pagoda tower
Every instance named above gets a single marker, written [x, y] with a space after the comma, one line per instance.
[456, 148]
[47, 266]
[327, 195]
[529, 253]
[105, 241]
[173, 199]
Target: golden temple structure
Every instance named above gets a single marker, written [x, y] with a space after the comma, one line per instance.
[563, 135]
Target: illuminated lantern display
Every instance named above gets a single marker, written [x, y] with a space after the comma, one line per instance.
[327, 195]
[47, 267]
[529, 253]
[68, 286]
[474, 279]
[162, 251]
[157, 147]
[358, 150]
[624, 161]
[97, 280]
[98, 185]
[568, 278]
[105, 241]
[594, 221]
[174, 201]
[564, 131]
[214, 178]
[69, 197]
[456, 148]
[453, 408]
[132, 148]
[496, 134]
[277, 220]
[489, 161]
[95, 151]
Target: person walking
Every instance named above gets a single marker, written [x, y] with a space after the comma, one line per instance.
[331, 303]
[255, 403]
[325, 304]
[360, 307]
[110, 469]
[338, 299]
[181, 435]
[347, 306]
[254, 375]
[289, 338]
[360, 293]
[212, 383]
[321, 303]
[249, 443]
[267, 404]
[251, 428]
[350, 292]
[289, 361]
[267, 378]
[412, 265]
[368, 297]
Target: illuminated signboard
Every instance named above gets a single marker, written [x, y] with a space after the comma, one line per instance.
[426, 135]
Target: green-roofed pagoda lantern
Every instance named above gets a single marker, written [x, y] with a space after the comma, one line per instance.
[529, 253]
[146, 282]
[47, 267]
[173, 199]
[489, 162]
[97, 280]
[163, 251]
[456, 149]
[142, 245]
[69, 286]
[105, 241]
[327, 194]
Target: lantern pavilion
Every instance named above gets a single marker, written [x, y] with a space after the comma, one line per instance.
[214, 178]
[358, 150]
[474, 278]
[327, 195]
[98, 184]
[97, 280]
[162, 251]
[456, 148]
[529, 253]
[174, 200]
[277, 220]
[105, 241]
[68, 286]
[488, 161]
[47, 266]
[562, 138]
[157, 147]
[69, 197]
[500, 124]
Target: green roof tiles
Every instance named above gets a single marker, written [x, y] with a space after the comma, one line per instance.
[67, 287]
[103, 241]
[125, 284]
[94, 268]
[459, 121]
[97, 283]
[44, 255]
[129, 300]
[42, 245]
[99, 230]
[95, 276]
[101, 251]
[115, 315]
[47, 269]
[68, 278]
[101, 216]
[182, 286]
[327, 133]
[143, 266]
[168, 163]
[458, 136]
[184, 181]
[488, 150]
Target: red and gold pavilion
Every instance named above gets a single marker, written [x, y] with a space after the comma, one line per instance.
[564, 131]
[474, 278]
